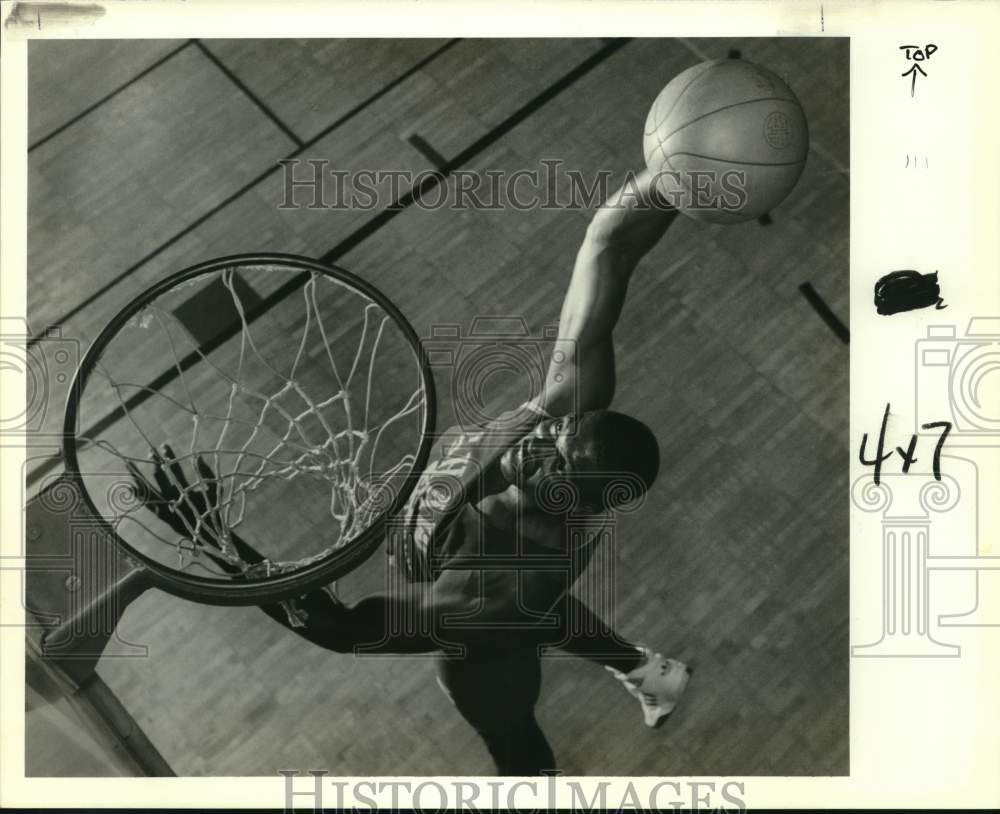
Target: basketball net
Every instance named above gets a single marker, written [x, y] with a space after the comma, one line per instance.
[257, 434]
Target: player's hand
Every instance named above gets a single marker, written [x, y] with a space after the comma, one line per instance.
[187, 509]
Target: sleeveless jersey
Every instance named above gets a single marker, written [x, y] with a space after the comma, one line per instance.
[421, 537]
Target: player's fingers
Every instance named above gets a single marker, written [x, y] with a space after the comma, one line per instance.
[158, 464]
[207, 475]
[211, 486]
[176, 470]
[213, 489]
[167, 489]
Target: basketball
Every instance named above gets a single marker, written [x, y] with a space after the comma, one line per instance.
[727, 140]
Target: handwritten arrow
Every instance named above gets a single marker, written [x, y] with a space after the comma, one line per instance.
[913, 70]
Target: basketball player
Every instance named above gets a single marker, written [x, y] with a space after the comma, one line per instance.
[474, 534]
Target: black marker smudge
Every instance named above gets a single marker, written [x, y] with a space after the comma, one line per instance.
[41, 15]
[906, 290]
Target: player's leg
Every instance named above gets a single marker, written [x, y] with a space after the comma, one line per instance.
[496, 690]
[583, 633]
[371, 625]
[321, 618]
[655, 680]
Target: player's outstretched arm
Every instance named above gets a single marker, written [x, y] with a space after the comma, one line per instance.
[581, 374]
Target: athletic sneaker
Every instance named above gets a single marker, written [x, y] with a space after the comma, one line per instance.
[658, 683]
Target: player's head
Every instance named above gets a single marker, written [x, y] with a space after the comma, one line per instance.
[588, 450]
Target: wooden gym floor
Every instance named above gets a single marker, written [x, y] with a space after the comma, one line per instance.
[150, 156]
